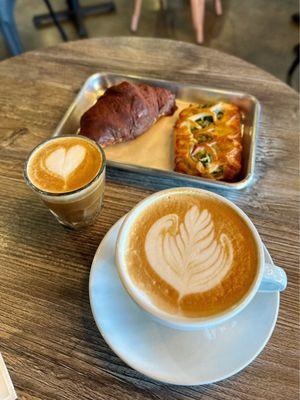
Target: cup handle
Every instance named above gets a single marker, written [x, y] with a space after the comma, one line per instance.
[274, 279]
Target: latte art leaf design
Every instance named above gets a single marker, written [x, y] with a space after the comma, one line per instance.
[188, 256]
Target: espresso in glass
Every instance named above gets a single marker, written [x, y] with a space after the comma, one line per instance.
[68, 174]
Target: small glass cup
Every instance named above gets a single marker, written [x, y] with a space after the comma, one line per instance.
[80, 207]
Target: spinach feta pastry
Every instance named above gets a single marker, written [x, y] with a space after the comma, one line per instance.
[208, 141]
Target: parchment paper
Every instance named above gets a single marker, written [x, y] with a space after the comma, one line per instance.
[154, 148]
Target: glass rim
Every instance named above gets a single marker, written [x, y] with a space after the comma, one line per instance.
[61, 194]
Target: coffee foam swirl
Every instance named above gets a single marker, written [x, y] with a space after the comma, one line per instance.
[188, 256]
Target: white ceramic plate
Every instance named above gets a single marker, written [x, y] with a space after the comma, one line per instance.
[169, 355]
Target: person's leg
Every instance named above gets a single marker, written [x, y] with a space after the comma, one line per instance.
[198, 11]
[136, 15]
[9, 28]
[218, 7]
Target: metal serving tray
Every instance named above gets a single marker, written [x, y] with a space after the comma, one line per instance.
[249, 105]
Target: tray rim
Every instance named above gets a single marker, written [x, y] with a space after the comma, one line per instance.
[243, 183]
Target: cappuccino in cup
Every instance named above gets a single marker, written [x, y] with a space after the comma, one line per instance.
[192, 258]
[68, 173]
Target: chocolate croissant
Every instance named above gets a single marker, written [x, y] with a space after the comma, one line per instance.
[125, 111]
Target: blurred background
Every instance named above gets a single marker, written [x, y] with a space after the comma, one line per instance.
[263, 32]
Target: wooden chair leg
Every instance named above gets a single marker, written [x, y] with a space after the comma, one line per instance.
[136, 15]
[198, 11]
[218, 7]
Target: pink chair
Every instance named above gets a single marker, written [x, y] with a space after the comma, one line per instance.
[198, 13]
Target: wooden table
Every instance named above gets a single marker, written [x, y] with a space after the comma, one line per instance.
[47, 333]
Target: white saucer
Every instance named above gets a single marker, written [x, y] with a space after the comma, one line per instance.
[169, 355]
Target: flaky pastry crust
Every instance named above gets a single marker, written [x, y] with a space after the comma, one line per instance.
[208, 141]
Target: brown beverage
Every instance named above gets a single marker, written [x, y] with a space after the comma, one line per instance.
[191, 254]
[68, 173]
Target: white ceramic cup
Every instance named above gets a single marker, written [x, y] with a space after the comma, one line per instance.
[269, 278]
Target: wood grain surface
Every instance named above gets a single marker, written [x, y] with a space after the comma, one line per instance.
[47, 333]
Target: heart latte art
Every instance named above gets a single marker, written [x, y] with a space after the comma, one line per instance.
[188, 256]
[190, 253]
[63, 162]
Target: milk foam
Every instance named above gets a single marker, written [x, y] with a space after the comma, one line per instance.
[63, 162]
[188, 256]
